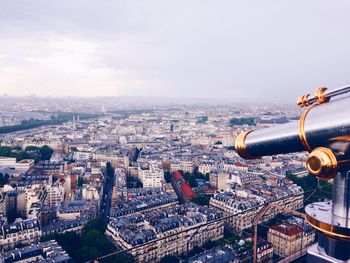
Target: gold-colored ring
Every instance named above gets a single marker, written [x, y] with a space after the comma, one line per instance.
[304, 101]
[302, 134]
[322, 163]
[300, 101]
[320, 95]
[330, 230]
[240, 146]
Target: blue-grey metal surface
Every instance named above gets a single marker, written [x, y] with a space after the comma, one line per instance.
[323, 126]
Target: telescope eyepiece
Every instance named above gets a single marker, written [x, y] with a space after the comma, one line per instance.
[314, 165]
[322, 163]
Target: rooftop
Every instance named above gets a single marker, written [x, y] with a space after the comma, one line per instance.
[139, 228]
[287, 229]
[48, 251]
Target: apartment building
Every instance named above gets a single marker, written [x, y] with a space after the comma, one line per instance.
[244, 206]
[183, 165]
[152, 176]
[21, 232]
[290, 239]
[166, 232]
[49, 251]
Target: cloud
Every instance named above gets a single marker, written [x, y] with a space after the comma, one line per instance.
[267, 50]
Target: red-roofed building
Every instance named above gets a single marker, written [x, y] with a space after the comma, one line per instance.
[187, 190]
[182, 187]
[289, 239]
[177, 176]
[287, 229]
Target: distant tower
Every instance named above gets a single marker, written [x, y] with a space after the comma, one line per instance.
[78, 118]
[74, 124]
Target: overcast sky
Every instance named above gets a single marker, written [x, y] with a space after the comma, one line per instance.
[180, 48]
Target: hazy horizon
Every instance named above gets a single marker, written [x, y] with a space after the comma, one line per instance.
[149, 100]
[223, 50]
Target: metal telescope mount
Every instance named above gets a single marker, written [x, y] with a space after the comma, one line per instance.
[324, 131]
[332, 218]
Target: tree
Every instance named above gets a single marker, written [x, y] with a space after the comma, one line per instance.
[230, 235]
[209, 245]
[36, 158]
[201, 199]
[87, 253]
[21, 155]
[56, 118]
[5, 151]
[31, 148]
[30, 152]
[97, 224]
[242, 121]
[46, 152]
[310, 182]
[17, 148]
[191, 179]
[7, 177]
[123, 258]
[91, 244]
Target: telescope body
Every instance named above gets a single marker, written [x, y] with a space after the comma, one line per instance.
[321, 125]
[324, 131]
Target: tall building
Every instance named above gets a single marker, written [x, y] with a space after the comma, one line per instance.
[55, 195]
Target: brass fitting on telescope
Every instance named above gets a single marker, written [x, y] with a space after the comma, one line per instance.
[304, 101]
[320, 95]
[322, 163]
[240, 146]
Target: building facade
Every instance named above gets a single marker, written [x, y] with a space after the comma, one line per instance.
[290, 239]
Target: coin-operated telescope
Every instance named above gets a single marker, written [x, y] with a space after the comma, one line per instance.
[324, 131]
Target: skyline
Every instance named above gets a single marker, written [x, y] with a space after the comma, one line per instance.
[198, 49]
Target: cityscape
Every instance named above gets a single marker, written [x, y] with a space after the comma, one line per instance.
[187, 131]
[157, 184]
